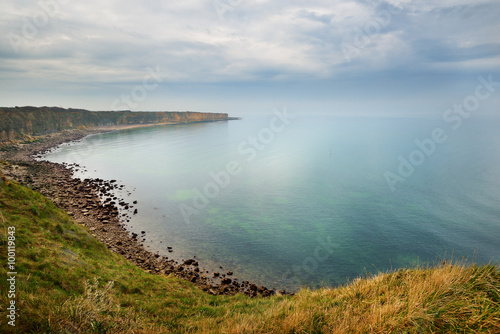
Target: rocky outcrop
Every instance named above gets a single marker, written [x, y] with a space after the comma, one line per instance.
[98, 205]
[20, 123]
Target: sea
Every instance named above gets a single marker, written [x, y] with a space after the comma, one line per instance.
[296, 200]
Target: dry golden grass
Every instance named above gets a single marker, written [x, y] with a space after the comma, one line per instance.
[58, 292]
[450, 298]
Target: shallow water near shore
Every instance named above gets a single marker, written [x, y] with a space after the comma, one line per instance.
[305, 201]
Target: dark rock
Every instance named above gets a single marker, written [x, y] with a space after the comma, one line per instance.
[100, 210]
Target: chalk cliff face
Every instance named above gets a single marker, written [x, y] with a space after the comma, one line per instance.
[19, 122]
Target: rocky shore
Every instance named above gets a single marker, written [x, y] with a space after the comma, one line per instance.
[93, 203]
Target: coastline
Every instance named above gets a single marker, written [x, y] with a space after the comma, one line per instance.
[90, 203]
[117, 127]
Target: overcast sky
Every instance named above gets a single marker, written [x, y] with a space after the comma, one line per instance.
[239, 56]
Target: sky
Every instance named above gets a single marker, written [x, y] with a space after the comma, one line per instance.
[394, 57]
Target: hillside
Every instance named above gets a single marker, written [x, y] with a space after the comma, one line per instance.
[68, 282]
[19, 122]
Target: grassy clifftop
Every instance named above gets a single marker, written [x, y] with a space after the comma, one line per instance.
[67, 282]
[18, 122]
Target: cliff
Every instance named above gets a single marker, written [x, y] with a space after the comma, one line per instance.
[19, 122]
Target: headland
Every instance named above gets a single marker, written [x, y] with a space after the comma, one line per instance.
[29, 132]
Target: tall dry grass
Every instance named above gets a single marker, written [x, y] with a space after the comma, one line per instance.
[57, 262]
[450, 298]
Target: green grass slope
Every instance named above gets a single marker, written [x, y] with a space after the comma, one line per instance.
[67, 282]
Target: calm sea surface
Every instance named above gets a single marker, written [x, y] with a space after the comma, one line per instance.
[307, 201]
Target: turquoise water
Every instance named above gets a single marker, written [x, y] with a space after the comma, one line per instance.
[306, 202]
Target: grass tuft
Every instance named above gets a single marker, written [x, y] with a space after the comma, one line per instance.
[68, 282]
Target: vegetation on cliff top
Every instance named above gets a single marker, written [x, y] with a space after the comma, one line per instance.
[19, 122]
[68, 282]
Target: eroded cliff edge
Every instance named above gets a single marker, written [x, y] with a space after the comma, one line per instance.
[21, 122]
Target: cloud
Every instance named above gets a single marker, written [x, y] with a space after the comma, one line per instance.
[112, 42]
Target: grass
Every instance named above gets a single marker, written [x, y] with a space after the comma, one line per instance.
[68, 282]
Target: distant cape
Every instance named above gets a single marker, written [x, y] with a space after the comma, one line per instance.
[19, 122]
